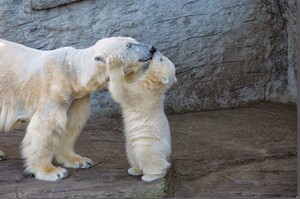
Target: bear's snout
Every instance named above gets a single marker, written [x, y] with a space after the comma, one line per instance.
[153, 50]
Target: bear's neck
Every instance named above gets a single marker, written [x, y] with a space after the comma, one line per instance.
[86, 77]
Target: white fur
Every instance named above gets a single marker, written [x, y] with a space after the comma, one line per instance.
[148, 139]
[50, 90]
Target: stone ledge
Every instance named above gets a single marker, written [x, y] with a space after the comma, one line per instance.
[244, 152]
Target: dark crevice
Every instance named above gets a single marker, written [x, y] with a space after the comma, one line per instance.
[45, 5]
[175, 18]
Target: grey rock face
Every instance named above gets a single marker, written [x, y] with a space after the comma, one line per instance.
[283, 84]
[291, 34]
[227, 53]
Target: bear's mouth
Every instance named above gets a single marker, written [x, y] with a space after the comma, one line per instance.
[145, 60]
[145, 66]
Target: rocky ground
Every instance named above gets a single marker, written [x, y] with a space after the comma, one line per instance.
[243, 152]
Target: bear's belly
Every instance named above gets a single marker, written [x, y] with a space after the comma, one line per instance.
[12, 117]
[22, 118]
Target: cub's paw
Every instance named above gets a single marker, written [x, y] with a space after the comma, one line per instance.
[50, 173]
[76, 162]
[152, 177]
[134, 171]
[2, 155]
[114, 61]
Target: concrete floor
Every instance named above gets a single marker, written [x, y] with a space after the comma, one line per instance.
[244, 152]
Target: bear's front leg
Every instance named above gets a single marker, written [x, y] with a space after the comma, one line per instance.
[117, 84]
[41, 140]
[78, 114]
[115, 69]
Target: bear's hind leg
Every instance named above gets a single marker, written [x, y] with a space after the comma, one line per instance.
[78, 114]
[152, 164]
[152, 177]
[134, 171]
[154, 168]
[41, 140]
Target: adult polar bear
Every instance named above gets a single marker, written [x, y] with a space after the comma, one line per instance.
[50, 90]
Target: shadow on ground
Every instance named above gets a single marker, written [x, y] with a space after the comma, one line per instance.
[243, 152]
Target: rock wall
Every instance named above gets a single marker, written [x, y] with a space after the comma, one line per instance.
[291, 33]
[283, 86]
[227, 53]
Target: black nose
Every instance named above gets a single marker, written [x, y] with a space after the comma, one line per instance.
[153, 50]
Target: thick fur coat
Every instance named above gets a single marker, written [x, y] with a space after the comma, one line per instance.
[148, 139]
[50, 90]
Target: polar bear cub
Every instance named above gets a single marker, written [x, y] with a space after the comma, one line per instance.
[148, 139]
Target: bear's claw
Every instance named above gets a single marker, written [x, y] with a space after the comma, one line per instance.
[52, 174]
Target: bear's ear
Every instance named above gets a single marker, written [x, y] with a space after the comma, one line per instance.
[99, 59]
[164, 80]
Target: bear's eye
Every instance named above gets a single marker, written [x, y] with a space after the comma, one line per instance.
[128, 46]
[99, 59]
[161, 59]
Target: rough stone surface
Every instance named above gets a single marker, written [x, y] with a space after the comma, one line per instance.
[291, 31]
[102, 141]
[244, 152]
[284, 70]
[227, 53]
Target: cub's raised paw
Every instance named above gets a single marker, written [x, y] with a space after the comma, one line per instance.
[114, 61]
[2, 155]
[134, 171]
[50, 173]
[152, 177]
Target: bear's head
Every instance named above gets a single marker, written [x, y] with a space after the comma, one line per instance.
[133, 54]
[90, 64]
[163, 70]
